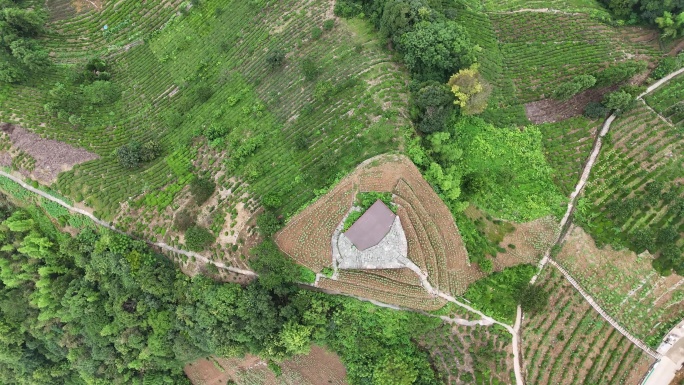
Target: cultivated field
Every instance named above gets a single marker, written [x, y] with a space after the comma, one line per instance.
[636, 182]
[319, 367]
[165, 59]
[668, 101]
[434, 243]
[471, 355]
[626, 286]
[569, 343]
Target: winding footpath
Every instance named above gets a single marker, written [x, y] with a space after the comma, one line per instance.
[102, 223]
[485, 320]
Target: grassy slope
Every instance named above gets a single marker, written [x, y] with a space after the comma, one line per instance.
[222, 44]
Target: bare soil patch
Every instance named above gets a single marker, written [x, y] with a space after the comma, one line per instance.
[527, 243]
[319, 367]
[551, 110]
[51, 157]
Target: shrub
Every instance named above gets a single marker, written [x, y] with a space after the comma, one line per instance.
[620, 101]
[619, 72]
[667, 65]
[275, 58]
[268, 223]
[347, 9]
[351, 218]
[129, 155]
[150, 151]
[100, 93]
[595, 110]
[183, 220]
[578, 84]
[316, 33]
[328, 24]
[198, 238]
[533, 298]
[216, 131]
[204, 93]
[202, 188]
[310, 69]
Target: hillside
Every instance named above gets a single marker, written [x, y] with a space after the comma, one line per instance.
[405, 192]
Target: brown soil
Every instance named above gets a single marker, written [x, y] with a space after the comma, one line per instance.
[434, 242]
[51, 157]
[319, 367]
[551, 110]
[530, 241]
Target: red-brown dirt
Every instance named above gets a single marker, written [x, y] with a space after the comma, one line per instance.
[434, 243]
[51, 157]
[319, 367]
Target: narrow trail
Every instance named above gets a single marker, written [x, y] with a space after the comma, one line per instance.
[102, 223]
[566, 220]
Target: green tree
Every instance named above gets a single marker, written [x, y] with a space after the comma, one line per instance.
[533, 298]
[471, 90]
[434, 50]
[198, 238]
[202, 188]
[619, 101]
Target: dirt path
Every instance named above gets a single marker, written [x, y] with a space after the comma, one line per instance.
[566, 220]
[109, 226]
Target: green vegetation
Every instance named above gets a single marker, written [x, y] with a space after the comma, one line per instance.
[499, 294]
[21, 54]
[100, 286]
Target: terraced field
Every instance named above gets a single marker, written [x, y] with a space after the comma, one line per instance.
[668, 101]
[586, 6]
[434, 243]
[570, 343]
[567, 145]
[164, 56]
[471, 355]
[542, 50]
[642, 150]
[626, 286]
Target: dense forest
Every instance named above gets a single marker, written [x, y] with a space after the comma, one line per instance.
[100, 308]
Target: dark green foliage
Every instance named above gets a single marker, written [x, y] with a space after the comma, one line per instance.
[432, 106]
[20, 52]
[366, 199]
[202, 188]
[619, 72]
[275, 269]
[437, 50]
[310, 69]
[347, 9]
[498, 295]
[268, 223]
[578, 84]
[329, 24]
[129, 155]
[275, 58]
[316, 33]
[595, 110]
[183, 220]
[198, 238]
[533, 298]
[667, 65]
[619, 101]
[648, 10]
[204, 93]
[100, 92]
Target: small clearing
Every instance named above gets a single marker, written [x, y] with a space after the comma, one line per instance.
[50, 157]
[319, 367]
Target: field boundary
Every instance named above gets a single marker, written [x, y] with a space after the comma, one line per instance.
[567, 220]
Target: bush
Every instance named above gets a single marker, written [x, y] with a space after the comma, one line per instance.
[316, 33]
[198, 238]
[328, 24]
[578, 84]
[620, 101]
[150, 151]
[183, 220]
[129, 155]
[347, 9]
[275, 58]
[204, 93]
[595, 110]
[310, 69]
[268, 223]
[619, 72]
[533, 298]
[100, 93]
[351, 218]
[202, 188]
[667, 65]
